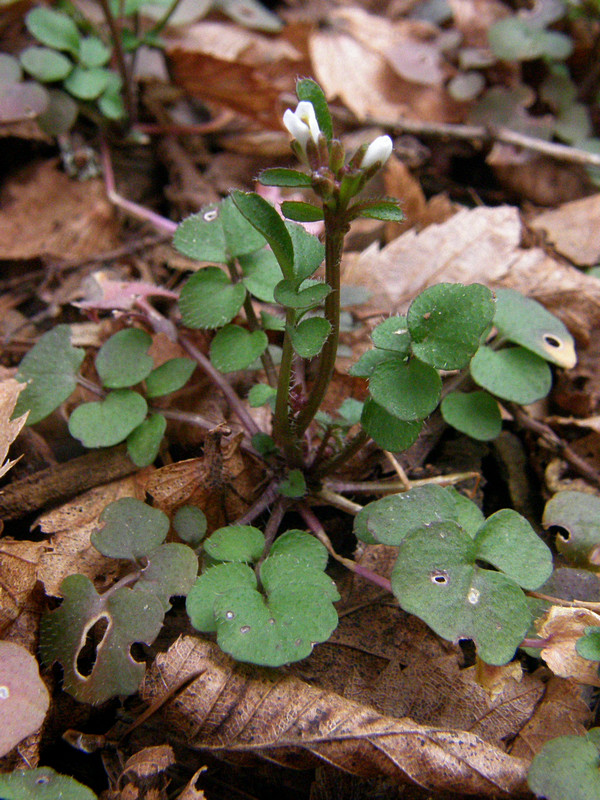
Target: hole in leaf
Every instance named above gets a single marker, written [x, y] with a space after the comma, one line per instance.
[551, 341]
[88, 653]
[245, 629]
[42, 780]
[211, 216]
[564, 534]
[439, 576]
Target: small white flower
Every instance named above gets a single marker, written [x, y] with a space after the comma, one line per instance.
[380, 150]
[302, 123]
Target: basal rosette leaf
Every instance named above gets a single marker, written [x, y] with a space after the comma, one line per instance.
[130, 529]
[576, 518]
[475, 413]
[446, 323]
[50, 371]
[171, 571]
[437, 578]
[513, 374]
[123, 360]
[143, 443]
[408, 391]
[226, 299]
[42, 783]
[44, 64]
[129, 615]
[54, 29]
[567, 766]
[235, 543]
[234, 348]
[392, 334]
[389, 432]
[169, 377]
[201, 236]
[109, 421]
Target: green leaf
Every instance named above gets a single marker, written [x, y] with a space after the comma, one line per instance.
[267, 222]
[261, 394]
[301, 546]
[49, 369]
[190, 524]
[309, 252]
[201, 236]
[171, 571]
[446, 323]
[128, 616]
[386, 210]
[261, 274]
[293, 485]
[507, 541]
[513, 374]
[588, 646]
[122, 361]
[577, 517]
[110, 101]
[391, 518]
[526, 322]
[226, 299]
[300, 211]
[310, 294]
[567, 767]
[236, 348]
[309, 336]
[169, 377]
[241, 237]
[366, 364]
[407, 391]
[130, 529]
[474, 413]
[515, 39]
[42, 783]
[45, 65]
[307, 89]
[436, 577]
[54, 29]
[263, 443]
[143, 443]
[108, 421]
[284, 177]
[60, 115]
[217, 581]
[270, 322]
[93, 52]
[242, 543]
[10, 70]
[87, 84]
[389, 432]
[350, 411]
[392, 334]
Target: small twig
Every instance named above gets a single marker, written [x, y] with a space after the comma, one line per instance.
[393, 487]
[264, 501]
[338, 501]
[364, 572]
[554, 443]
[558, 601]
[218, 379]
[398, 469]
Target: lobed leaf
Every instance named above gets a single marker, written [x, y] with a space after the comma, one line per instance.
[309, 336]
[293, 485]
[407, 391]
[392, 334]
[475, 413]
[171, 571]
[366, 364]
[201, 236]
[123, 360]
[236, 543]
[49, 369]
[226, 299]
[261, 273]
[130, 529]
[446, 323]
[109, 421]
[234, 348]
[309, 251]
[309, 295]
[389, 432]
[513, 374]
[567, 766]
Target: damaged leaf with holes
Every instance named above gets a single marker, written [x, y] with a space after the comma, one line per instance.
[261, 624]
[575, 516]
[90, 634]
[443, 544]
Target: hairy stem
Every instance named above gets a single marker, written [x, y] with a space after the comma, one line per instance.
[348, 450]
[282, 430]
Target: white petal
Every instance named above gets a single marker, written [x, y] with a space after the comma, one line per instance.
[306, 112]
[296, 127]
[380, 150]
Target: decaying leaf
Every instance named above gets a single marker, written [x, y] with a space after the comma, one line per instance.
[19, 563]
[234, 709]
[563, 627]
[573, 229]
[24, 698]
[9, 429]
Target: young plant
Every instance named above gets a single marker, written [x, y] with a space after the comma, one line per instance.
[268, 598]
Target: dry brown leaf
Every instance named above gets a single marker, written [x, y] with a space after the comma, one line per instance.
[562, 627]
[190, 792]
[46, 213]
[9, 429]
[71, 525]
[23, 695]
[562, 712]
[18, 574]
[573, 230]
[238, 710]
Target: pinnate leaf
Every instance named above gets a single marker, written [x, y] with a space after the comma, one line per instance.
[108, 421]
[236, 348]
[226, 299]
[49, 369]
[513, 374]
[123, 360]
[130, 614]
[447, 321]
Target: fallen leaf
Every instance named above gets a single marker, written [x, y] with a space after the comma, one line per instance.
[562, 627]
[573, 230]
[24, 699]
[9, 429]
[236, 709]
[19, 562]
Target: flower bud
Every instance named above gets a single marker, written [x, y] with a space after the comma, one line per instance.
[302, 123]
[379, 150]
